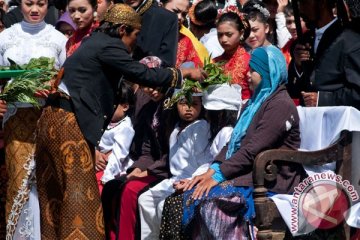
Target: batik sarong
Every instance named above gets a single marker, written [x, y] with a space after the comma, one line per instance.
[3, 188]
[19, 139]
[224, 214]
[69, 198]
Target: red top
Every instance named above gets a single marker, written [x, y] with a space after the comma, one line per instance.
[75, 40]
[237, 66]
[186, 52]
[286, 51]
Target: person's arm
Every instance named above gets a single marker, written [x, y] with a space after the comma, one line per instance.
[3, 108]
[160, 167]
[283, 34]
[123, 139]
[120, 151]
[271, 128]
[118, 58]
[145, 160]
[349, 93]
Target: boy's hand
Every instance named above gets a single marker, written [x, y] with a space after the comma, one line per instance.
[100, 161]
[281, 5]
[180, 185]
[137, 173]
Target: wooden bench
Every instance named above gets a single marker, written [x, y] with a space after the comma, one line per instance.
[268, 219]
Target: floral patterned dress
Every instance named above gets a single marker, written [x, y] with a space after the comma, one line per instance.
[237, 66]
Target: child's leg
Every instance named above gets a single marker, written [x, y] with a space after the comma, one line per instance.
[148, 207]
[128, 207]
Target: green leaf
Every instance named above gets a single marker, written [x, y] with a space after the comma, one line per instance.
[23, 87]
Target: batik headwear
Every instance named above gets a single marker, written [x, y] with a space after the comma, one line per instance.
[271, 80]
[123, 14]
[354, 8]
[222, 97]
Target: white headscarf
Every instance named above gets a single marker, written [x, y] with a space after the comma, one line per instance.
[222, 97]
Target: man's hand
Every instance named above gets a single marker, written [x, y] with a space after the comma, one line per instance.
[301, 54]
[281, 5]
[194, 73]
[310, 98]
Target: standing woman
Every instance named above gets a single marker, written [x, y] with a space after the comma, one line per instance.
[232, 30]
[83, 13]
[258, 16]
[31, 38]
[73, 123]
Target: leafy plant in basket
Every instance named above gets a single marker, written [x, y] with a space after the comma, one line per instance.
[22, 88]
[215, 75]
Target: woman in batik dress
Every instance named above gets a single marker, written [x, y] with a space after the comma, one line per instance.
[31, 38]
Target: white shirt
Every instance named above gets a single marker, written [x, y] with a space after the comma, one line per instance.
[220, 140]
[283, 34]
[118, 140]
[189, 149]
[23, 41]
[211, 43]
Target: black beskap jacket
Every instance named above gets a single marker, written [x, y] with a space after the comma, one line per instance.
[92, 76]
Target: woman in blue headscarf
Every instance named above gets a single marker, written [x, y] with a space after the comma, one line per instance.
[219, 202]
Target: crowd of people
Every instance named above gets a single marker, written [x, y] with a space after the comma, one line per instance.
[104, 158]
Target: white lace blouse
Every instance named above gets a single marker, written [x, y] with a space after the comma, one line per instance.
[23, 41]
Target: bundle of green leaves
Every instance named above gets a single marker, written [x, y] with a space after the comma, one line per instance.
[215, 75]
[23, 87]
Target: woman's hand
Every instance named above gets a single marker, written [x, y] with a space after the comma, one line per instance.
[3, 108]
[42, 93]
[203, 182]
[100, 161]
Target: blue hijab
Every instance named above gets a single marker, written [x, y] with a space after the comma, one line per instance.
[270, 63]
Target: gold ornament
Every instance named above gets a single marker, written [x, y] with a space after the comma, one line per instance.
[123, 14]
